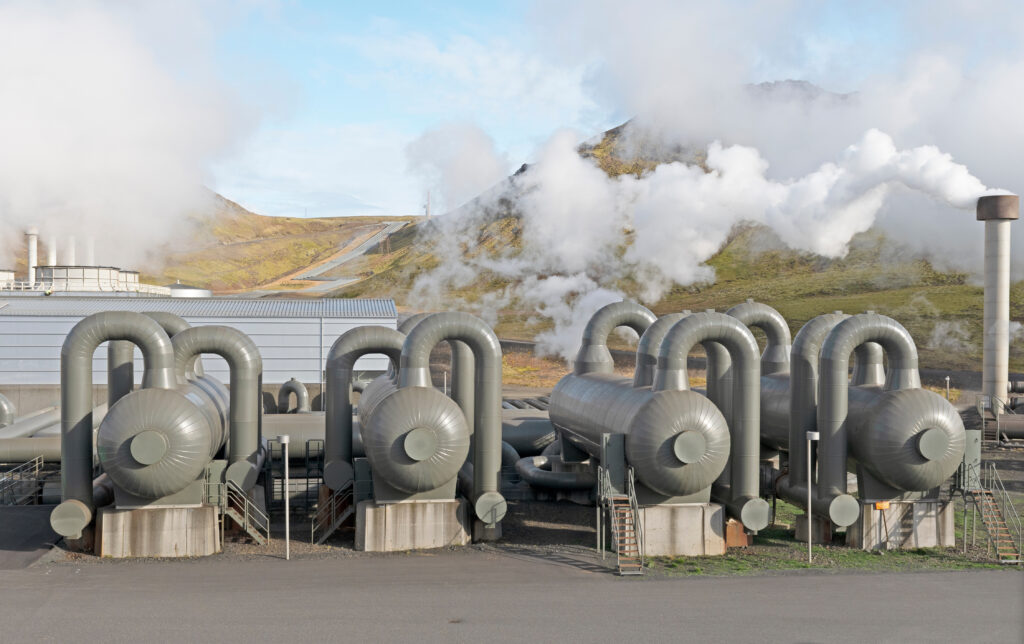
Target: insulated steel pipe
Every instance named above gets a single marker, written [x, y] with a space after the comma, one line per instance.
[19, 450]
[462, 377]
[594, 356]
[120, 370]
[650, 345]
[489, 504]
[834, 387]
[7, 411]
[775, 358]
[31, 423]
[868, 369]
[841, 509]
[341, 360]
[76, 510]
[536, 470]
[284, 395]
[246, 370]
[997, 211]
[743, 501]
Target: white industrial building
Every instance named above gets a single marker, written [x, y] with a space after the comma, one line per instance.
[293, 335]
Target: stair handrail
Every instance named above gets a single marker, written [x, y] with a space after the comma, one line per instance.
[252, 515]
[994, 483]
[14, 479]
[634, 507]
[326, 517]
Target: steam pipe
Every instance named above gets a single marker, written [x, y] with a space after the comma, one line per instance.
[19, 450]
[461, 369]
[743, 502]
[31, 423]
[488, 503]
[246, 370]
[341, 360]
[594, 356]
[76, 510]
[536, 470]
[833, 388]
[33, 253]
[173, 325]
[868, 369]
[775, 358]
[8, 412]
[293, 386]
[649, 346]
[51, 252]
[120, 370]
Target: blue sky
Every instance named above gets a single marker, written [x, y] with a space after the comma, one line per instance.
[341, 88]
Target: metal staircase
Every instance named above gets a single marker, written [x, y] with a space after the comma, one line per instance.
[236, 505]
[624, 519]
[998, 515]
[332, 513]
[22, 485]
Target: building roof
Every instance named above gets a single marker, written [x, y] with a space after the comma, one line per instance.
[63, 306]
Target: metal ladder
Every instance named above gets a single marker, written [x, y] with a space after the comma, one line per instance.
[314, 473]
[998, 515]
[247, 515]
[334, 512]
[624, 519]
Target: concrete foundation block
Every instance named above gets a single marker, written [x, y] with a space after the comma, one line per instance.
[157, 532]
[821, 529]
[688, 529]
[905, 524]
[412, 525]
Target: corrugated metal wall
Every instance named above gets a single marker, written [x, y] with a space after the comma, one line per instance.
[291, 347]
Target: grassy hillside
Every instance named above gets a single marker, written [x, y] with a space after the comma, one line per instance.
[234, 249]
[942, 310]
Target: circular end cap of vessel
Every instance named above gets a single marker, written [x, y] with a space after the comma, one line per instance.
[932, 443]
[844, 510]
[490, 507]
[420, 443]
[69, 518]
[689, 446]
[337, 474]
[755, 514]
[148, 447]
[243, 474]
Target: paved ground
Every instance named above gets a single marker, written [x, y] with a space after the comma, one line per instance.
[25, 535]
[478, 595]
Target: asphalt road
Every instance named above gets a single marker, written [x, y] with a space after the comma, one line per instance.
[492, 596]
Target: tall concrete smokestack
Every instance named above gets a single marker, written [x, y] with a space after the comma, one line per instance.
[90, 251]
[69, 254]
[997, 211]
[51, 252]
[33, 253]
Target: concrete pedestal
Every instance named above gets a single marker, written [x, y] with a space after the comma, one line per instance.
[821, 529]
[690, 529]
[906, 524]
[157, 532]
[411, 525]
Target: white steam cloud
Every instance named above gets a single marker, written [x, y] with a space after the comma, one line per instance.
[109, 117]
[815, 167]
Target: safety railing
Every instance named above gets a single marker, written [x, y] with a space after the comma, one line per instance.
[994, 483]
[252, 519]
[634, 506]
[331, 514]
[20, 485]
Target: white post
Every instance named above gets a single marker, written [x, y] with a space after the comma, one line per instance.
[283, 439]
[947, 387]
[811, 436]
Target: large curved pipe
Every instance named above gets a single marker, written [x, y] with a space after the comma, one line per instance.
[341, 360]
[868, 369]
[121, 357]
[536, 470]
[76, 402]
[461, 368]
[841, 509]
[173, 325]
[246, 370]
[743, 502]
[650, 345]
[775, 358]
[8, 412]
[833, 388]
[593, 355]
[293, 386]
[488, 503]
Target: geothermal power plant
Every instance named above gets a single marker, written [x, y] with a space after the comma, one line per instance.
[161, 421]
